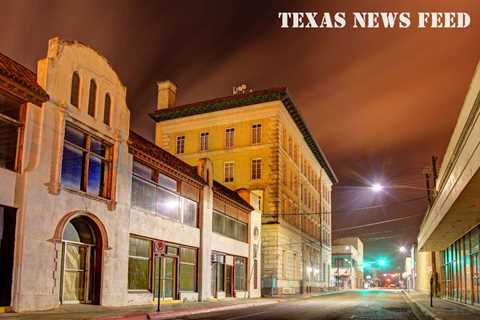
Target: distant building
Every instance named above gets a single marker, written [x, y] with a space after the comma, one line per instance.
[259, 141]
[92, 213]
[449, 236]
[347, 263]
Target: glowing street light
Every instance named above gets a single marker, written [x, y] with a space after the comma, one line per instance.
[402, 249]
[377, 187]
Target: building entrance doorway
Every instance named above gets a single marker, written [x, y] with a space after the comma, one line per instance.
[80, 262]
[168, 274]
[7, 246]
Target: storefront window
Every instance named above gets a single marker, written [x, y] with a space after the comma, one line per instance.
[229, 227]
[188, 264]
[240, 274]
[139, 264]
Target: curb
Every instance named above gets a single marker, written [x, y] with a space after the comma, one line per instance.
[175, 314]
[183, 313]
[426, 313]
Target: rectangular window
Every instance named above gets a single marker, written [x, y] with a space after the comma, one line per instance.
[160, 197]
[11, 126]
[256, 133]
[229, 227]
[228, 171]
[204, 141]
[240, 274]
[139, 259]
[188, 269]
[229, 138]
[87, 162]
[256, 169]
[180, 145]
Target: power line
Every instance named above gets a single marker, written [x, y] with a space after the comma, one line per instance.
[340, 211]
[377, 223]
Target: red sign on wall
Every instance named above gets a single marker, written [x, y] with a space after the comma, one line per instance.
[158, 247]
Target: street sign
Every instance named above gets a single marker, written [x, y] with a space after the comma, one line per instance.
[158, 247]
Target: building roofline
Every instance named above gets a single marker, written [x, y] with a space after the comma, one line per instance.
[20, 81]
[246, 99]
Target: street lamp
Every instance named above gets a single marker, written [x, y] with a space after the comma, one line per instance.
[377, 187]
[402, 249]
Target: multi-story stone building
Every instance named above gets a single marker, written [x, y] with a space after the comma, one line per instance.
[258, 140]
[449, 236]
[347, 263]
[93, 213]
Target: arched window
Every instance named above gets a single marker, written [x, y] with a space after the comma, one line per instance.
[106, 109]
[79, 230]
[92, 97]
[75, 90]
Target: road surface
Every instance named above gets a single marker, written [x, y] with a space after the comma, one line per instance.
[352, 305]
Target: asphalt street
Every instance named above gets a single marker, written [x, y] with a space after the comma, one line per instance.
[357, 305]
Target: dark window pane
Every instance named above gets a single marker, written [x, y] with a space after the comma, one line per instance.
[92, 96]
[8, 145]
[98, 147]
[142, 170]
[220, 276]
[96, 169]
[72, 167]
[242, 232]
[74, 94]
[187, 277]
[106, 110]
[10, 107]
[218, 221]
[74, 136]
[168, 182]
[230, 228]
[240, 274]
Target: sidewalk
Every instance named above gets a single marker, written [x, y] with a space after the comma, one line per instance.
[147, 312]
[442, 309]
[85, 311]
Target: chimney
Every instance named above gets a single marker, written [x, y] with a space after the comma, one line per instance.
[167, 92]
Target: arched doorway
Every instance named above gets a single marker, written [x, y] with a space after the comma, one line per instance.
[81, 261]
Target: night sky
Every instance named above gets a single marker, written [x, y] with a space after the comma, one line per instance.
[379, 102]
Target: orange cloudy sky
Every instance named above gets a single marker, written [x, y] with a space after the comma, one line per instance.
[380, 102]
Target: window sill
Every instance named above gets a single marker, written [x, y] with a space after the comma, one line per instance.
[138, 291]
[87, 195]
